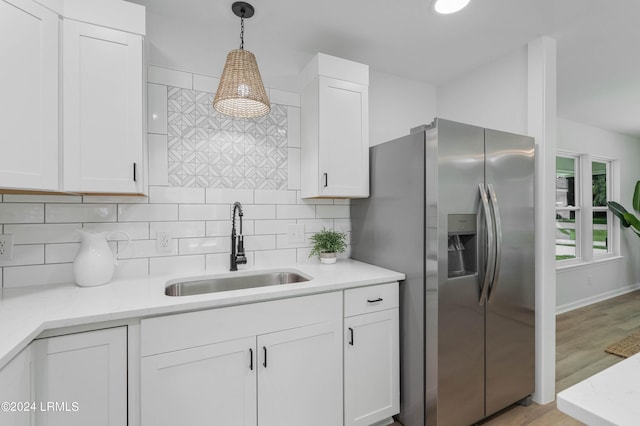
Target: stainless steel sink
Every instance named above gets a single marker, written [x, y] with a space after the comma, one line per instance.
[226, 283]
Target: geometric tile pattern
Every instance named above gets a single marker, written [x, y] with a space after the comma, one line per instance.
[211, 150]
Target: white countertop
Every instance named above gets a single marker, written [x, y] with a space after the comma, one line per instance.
[611, 397]
[26, 312]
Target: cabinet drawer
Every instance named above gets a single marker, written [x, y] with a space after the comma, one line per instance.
[370, 299]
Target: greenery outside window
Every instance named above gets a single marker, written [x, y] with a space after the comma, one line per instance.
[568, 207]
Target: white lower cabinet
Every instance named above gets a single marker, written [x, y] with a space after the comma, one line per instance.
[16, 389]
[298, 375]
[371, 355]
[81, 379]
[212, 384]
[276, 363]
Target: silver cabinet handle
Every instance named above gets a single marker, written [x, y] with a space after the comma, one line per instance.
[493, 198]
[490, 261]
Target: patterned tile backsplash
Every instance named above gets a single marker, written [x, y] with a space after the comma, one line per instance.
[207, 149]
[199, 163]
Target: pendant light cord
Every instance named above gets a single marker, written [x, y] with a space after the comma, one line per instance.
[242, 30]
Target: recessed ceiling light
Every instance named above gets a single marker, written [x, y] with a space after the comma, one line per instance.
[449, 6]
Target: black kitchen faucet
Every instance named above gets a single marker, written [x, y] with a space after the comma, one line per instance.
[237, 257]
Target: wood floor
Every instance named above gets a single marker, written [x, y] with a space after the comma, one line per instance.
[581, 336]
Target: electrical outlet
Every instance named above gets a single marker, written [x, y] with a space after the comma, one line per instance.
[6, 247]
[164, 242]
[295, 233]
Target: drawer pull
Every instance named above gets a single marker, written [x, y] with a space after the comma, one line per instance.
[351, 336]
[250, 359]
[379, 299]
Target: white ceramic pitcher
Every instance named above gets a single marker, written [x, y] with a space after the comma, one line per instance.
[95, 262]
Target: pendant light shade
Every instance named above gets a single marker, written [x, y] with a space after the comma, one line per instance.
[241, 92]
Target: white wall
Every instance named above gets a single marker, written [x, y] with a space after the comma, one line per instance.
[579, 286]
[494, 95]
[396, 105]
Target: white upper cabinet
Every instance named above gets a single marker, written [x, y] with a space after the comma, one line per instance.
[335, 129]
[29, 101]
[88, 79]
[103, 109]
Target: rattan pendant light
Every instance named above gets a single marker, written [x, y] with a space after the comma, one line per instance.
[241, 92]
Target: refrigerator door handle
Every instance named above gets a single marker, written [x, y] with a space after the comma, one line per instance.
[490, 263]
[498, 230]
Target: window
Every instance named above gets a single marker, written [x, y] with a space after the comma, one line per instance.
[567, 207]
[583, 221]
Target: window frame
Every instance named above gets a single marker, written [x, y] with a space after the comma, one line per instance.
[584, 209]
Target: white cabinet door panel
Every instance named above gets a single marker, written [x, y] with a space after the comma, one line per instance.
[103, 130]
[344, 127]
[29, 101]
[16, 389]
[371, 381]
[300, 376]
[86, 374]
[206, 385]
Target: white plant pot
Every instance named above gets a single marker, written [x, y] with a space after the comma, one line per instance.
[327, 258]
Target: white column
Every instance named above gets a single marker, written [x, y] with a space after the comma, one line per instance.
[542, 126]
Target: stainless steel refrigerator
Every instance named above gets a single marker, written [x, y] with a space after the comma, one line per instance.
[451, 206]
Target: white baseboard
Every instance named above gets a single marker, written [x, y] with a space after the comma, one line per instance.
[595, 299]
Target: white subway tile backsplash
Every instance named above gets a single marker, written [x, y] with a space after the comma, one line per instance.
[49, 233]
[282, 242]
[264, 227]
[342, 225]
[222, 228]
[342, 201]
[293, 129]
[166, 194]
[260, 242]
[131, 268]
[65, 213]
[147, 212]
[23, 198]
[136, 230]
[25, 255]
[158, 160]
[61, 253]
[269, 258]
[169, 77]
[21, 213]
[316, 225]
[302, 256]
[188, 229]
[259, 211]
[204, 212]
[296, 212]
[341, 212]
[144, 248]
[157, 108]
[203, 83]
[204, 245]
[293, 168]
[283, 97]
[176, 265]
[32, 275]
[229, 196]
[275, 197]
[221, 262]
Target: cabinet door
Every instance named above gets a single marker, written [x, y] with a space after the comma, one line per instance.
[103, 133]
[344, 138]
[29, 101]
[300, 376]
[205, 385]
[371, 371]
[85, 376]
[15, 387]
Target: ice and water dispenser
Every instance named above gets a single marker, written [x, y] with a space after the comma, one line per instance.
[462, 245]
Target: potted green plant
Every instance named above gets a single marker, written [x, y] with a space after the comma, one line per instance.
[327, 243]
[628, 220]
